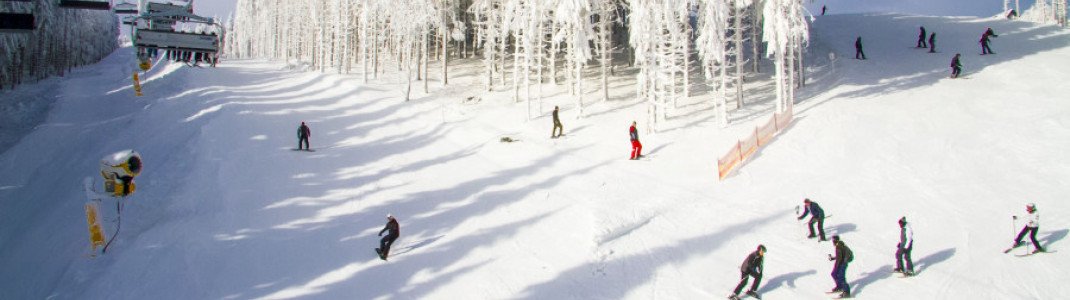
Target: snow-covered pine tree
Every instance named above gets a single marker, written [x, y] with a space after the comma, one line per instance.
[63, 39]
[711, 43]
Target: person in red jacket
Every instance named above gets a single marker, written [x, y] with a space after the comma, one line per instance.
[637, 148]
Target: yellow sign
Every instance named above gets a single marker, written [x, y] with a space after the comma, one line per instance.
[96, 234]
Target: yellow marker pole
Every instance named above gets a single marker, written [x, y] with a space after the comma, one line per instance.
[137, 85]
[96, 234]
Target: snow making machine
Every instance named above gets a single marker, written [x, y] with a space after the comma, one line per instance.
[12, 21]
[118, 171]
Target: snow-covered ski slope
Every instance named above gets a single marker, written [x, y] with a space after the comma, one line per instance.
[225, 209]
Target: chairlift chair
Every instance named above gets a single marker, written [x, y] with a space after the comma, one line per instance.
[86, 4]
[125, 8]
[156, 31]
[16, 23]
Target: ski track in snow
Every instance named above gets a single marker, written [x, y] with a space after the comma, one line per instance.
[224, 209]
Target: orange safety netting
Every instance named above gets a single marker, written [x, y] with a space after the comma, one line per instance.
[761, 136]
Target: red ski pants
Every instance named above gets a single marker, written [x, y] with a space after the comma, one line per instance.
[637, 149]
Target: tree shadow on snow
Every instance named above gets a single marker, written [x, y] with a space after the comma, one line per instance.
[958, 35]
[925, 262]
[883, 272]
[1053, 237]
[640, 268]
[840, 229]
[784, 279]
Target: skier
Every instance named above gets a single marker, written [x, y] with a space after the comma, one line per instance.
[637, 148]
[393, 231]
[984, 41]
[858, 49]
[902, 251]
[823, 8]
[1032, 225]
[557, 125]
[839, 269]
[303, 133]
[932, 42]
[752, 266]
[818, 216]
[956, 66]
[921, 38]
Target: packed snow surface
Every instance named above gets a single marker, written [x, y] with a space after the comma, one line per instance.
[225, 209]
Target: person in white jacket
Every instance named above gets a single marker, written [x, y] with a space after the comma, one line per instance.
[902, 250]
[1032, 225]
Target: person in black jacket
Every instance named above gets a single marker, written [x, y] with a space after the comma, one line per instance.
[932, 42]
[752, 267]
[818, 216]
[956, 66]
[839, 268]
[858, 49]
[393, 231]
[557, 125]
[303, 133]
[921, 38]
[984, 41]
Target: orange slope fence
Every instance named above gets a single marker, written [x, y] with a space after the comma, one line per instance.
[761, 136]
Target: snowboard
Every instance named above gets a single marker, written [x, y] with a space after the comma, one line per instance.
[380, 253]
[307, 150]
[745, 295]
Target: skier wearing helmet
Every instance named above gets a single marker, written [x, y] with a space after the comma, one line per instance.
[393, 231]
[1032, 225]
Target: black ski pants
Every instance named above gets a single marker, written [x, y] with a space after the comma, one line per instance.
[384, 244]
[903, 254]
[921, 42]
[955, 71]
[557, 127]
[743, 282]
[302, 141]
[820, 226]
[985, 49]
[859, 53]
[1032, 236]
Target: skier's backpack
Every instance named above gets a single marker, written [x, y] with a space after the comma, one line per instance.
[848, 256]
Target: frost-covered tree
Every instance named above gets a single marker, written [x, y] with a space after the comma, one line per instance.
[658, 35]
[63, 39]
[786, 31]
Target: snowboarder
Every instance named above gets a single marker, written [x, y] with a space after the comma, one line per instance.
[637, 148]
[921, 39]
[984, 41]
[858, 49]
[393, 231]
[303, 133]
[956, 66]
[1012, 14]
[1032, 225]
[752, 267]
[823, 8]
[839, 268]
[902, 251]
[557, 125]
[817, 216]
[932, 42]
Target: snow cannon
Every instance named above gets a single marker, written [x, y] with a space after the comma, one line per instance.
[119, 170]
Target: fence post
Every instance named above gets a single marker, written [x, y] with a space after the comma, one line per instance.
[776, 127]
[757, 139]
[739, 149]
